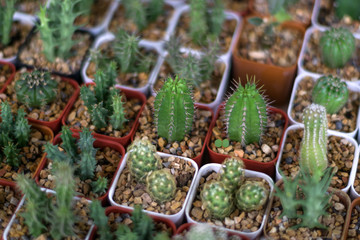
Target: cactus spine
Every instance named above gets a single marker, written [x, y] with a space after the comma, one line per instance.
[252, 195]
[174, 110]
[330, 92]
[161, 185]
[232, 173]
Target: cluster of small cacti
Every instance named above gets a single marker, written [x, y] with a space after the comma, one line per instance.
[6, 17]
[205, 231]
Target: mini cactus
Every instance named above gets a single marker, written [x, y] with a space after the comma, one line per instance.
[142, 159]
[217, 199]
[12, 156]
[55, 154]
[161, 185]
[330, 92]
[198, 26]
[126, 50]
[232, 173]
[217, 17]
[87, 155]
[246, 115]
[251, 195]
[100, 185]
[135, 10]
[117, 119]
[200, 231]
[174, 110]
[337, 46]
[97, 212]
[69, 143]
[6, 17]
[22, 128]
[313, 151]
[36, 88]
[347, 8]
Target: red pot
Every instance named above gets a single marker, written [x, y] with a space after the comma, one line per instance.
[11, 77]
[114, 209]
[268, 167]
[130, 94]
[99, 143]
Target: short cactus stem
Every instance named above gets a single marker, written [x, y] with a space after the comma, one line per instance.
[313, 151]
[252, 195]
[232, 172]
[161, 185]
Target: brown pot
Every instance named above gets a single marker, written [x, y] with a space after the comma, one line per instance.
[354, 203]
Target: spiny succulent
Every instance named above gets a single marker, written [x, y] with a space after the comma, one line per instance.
[252, 195]
[161, 185]
[12, 156]
[87, 156]
[217, 199]
[100, 185]
[313, 149]
[84, 6]
[232, 173]
[117, 119]
[337, 46]
[22, 128]
[246, 115]
[205, 231]
[330, 92]
[347, 8]
[97, 212]
[143, 158]
[36, 88]
[174, 109]
[6, 17]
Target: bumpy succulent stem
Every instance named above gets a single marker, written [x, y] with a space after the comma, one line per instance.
[88, 97]
[12, 156]
[87, 155]
[126, 50]
[117, 119]
[55, 154]
[6, 17]
[100, 185]
[252, 195]
[98, 115]
[198, 26]
[7, 123]
[22, 128]
[97, 213]
[232, 173]
[217, 17]
[135, 11]
[161, 185]
[69, 143]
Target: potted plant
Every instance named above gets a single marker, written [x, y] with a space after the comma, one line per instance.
[44, 97]
[96, 162]
[9, 200]
[21, 144]
[250, 132]
[352, 220]
[7, 73]
[159, 182]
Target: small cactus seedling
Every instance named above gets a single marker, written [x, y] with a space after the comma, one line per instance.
[330, 92]
[246, 115]
[161, 185]
[87, 155]
[6, 17]
[217, 199]
[97, 212]
[174, 110]
[313, 151]
[100, 185]
[142, 159]
[337, 46]
[36, 88]
[232, 173]
[251, 195]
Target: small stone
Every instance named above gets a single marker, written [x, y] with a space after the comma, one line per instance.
[288, 160]
[197, 213]
[338, 125]
[266, 149]
[339, 206]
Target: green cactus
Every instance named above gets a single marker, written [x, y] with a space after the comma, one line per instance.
[84, 7]
[69, 144]
[313, 149]
[6, 17]
[174, 110]
[217, 199]
[97, 213]
[7, 122]
[87, 156]
[36, 88]
[100, 185]
[191, 69]
[117, 119]
[337, 46]
[330, 92]
[142, 159]
[12, 156]
[126, 50]
[246, 114]
[251, 195]
[55, 154]
[217, 17]
[161, 185]
[232, 173]
[155, 8]
[135, 11]
[347, 7]
[198, 26]
[98, 115]
[200, 231]
[22, 128]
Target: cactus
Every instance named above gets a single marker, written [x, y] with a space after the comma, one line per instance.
[161, 185]
[135, 11]
[251, 196]
[100, 185]
[174, 110]
[12, 156]
[7, 123]
[97, 213]
[330, 92]
[98, 115]
[198, 26]
[200, 231]
[154, 9]
[246, 114]
[69, 144]
[347, 7]
[36, 88]
[217, 199]
[126, 50]
[232, 173]
[142, 159]
[55, 154]
[190, 69]
[217, 17]
[313, 151]
[337, 46]
[6, 16]
[84, 7]
[22, 128]
[117, 119]
[87, 155]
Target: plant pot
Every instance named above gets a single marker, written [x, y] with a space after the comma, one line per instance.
[268, 166]
[101, 43]
[156, 219]
[28, 9]
[346, 165]
[352, 219]
[345, 121]
[177, 217]
[213, 167]
[8, 73]
[139, 99]
[343, 198]
[354, 190]
[240, 7]
[276, 80]
[99, 144]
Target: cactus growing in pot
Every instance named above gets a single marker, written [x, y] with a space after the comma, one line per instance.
[161, 185]
[232, 172]
[6, 17]
[252, 195]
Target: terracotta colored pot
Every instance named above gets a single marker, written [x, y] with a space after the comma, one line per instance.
[130, 94]
[113, 209]
[11, 77]
[355, 202]
[264, 167]
[277, 81]
[99, 143]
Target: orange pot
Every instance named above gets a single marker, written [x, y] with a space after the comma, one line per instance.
[354, 203]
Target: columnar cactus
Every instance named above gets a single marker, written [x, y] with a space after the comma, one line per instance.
[142, 159]
[36, 88]
[246, 116]
[330, 92]
[252, 195]
[313, 151]
[117, 119]
[161, 185]
[337, 46]
[6, 18]
[217, 199]
[22, 128]
[87, 155]
[174, 109]
[232, 172]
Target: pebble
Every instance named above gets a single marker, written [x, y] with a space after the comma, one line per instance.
[338, 125]
[266, 149]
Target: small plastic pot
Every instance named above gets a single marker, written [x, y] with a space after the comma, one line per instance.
[11, 77]
[354, 203]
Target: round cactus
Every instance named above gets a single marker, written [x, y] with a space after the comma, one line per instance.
[217, 199]
[200, 231]
[232, 172]
[36, 88]
[161, 185]
[337, 46]
[252, 195]
[330, 92]
[142, 159]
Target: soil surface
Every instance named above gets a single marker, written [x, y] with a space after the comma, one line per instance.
[9, 199]
[5, 72]
[30, 6]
